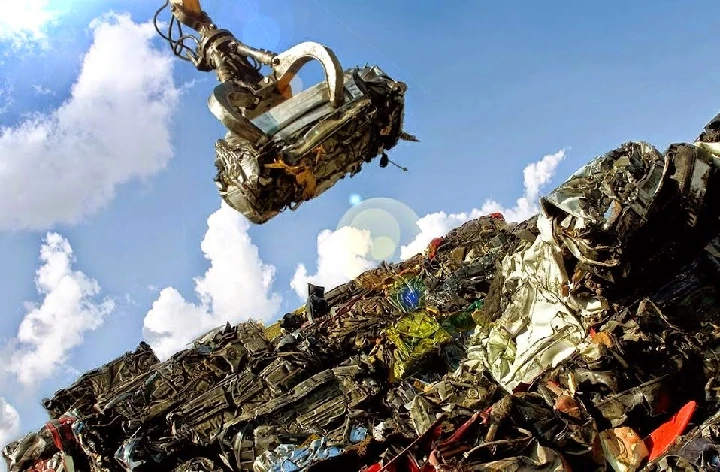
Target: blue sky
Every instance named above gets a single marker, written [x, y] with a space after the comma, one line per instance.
[106, 142]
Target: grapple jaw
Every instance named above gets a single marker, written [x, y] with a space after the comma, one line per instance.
[235, 105]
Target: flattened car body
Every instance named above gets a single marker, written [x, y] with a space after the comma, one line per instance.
[310, 144]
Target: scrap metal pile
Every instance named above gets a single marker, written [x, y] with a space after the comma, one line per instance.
[584, 339]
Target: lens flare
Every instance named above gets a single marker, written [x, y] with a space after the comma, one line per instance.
[391, 224]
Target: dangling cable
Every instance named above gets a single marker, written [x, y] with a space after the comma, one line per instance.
[385, 160]
[178, 46]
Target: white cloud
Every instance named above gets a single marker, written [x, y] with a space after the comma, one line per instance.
[236, 287]
[42, 90]
[50, 330]
[190, 84]
[6, 96]
[9, 422]
[23, 23]
[62, 166]
[433, 226]
[536, 176]
[342, 256]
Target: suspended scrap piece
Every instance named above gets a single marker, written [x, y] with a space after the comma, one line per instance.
[584, 339]
[311, 145]
[283, 149]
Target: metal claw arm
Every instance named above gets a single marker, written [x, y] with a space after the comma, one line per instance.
[287, 64]
[220, 50]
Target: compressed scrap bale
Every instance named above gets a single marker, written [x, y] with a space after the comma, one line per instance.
[83, 394]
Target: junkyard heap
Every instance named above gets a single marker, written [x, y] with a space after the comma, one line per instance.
[584, 339]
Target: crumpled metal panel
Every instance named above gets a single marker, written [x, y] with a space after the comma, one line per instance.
[540, 326]
[600, 217]
[287, 458]
[59, 462]
[609, 197]
[539, 458]
[618, 205]
[413, 337]
[200, 464]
